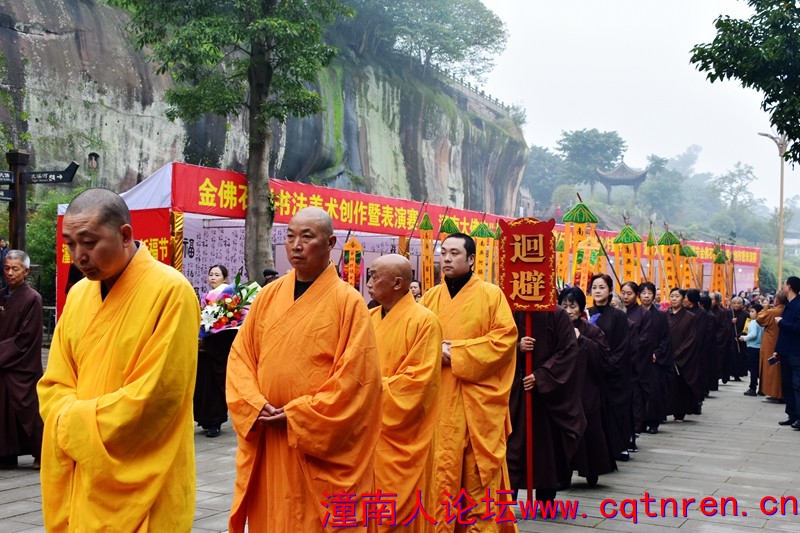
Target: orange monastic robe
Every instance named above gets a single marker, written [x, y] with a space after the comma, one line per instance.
[315, 357]
[473, 422]
[410, 348]
[116, 399]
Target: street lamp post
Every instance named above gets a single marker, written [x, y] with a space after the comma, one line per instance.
[782, 142]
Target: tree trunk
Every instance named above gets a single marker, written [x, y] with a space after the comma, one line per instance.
[258, 224]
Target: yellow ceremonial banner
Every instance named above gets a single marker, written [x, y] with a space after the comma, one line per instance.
[426, 246]
[404, 246]
[482, 236]
[586, 259]
[351, 266]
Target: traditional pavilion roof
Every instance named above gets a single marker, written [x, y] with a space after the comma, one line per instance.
[449, 226]
[721, 258]
[622, 175]
[688, 251]
[580, 214]
[668, 239]
[482, 231]
[627, 235]
[426, 224]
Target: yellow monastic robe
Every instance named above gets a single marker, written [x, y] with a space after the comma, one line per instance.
[116, 399]
[315, 357]
[473, 395]
[410, 348]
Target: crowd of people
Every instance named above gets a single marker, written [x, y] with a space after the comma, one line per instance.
[424, 403]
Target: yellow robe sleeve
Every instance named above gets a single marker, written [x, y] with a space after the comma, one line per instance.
[322, 424]
[409, 390]
[474, 360]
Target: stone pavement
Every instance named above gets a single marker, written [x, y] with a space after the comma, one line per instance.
[735, 449]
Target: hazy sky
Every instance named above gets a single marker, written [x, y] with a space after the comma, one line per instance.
[623, 65]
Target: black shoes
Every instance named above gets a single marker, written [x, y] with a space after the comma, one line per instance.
[652, 430]
[750, 392]
[213, 431]
[796, 425]
[787, 422]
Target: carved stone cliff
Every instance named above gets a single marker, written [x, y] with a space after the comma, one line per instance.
[73, 87]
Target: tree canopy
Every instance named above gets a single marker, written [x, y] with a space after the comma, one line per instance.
[585, 151]
[232, 57]
[462, 36]
[761, 52]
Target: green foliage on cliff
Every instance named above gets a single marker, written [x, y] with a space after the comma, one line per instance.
[462, 36]
[228, 56]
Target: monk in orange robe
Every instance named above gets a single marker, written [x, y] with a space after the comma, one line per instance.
[410, 348]
[304, 393]
[478, 361]
[116, 398]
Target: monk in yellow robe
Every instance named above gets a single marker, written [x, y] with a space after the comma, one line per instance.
[478, 362]
[116, 397]
[410, 348]
[304, 390]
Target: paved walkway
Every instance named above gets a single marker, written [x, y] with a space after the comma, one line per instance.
[735, 449]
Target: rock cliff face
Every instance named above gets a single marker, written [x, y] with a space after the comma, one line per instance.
[73, 87]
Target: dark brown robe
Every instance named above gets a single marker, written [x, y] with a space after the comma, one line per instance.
[558, 419]
[210, 408]
[20, 369]
[723, 339]
[662, 369]
[706, 329]
[687, 387]
[641, 362]
[594, 456]
[619, 388]
[740, 348]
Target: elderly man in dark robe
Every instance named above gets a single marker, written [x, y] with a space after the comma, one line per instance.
[20, 364]
[662, 370]
[687, 387]
[594, 457]
[558, 419]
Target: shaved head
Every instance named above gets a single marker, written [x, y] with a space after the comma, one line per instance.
[395, 266]
[110, 207]
[390, 280]
[317, 216]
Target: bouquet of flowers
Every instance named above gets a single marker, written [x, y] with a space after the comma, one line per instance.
[227, 309]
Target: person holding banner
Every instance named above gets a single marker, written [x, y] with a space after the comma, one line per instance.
[410, 348]
[477, 373]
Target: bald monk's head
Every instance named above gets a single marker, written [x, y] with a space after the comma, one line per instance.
[390, 279]
[97, 231]
[309, 241]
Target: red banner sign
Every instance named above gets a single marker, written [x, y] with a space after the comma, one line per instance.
[527, 265]
[209, 191]
[150, 226]
[366, 212]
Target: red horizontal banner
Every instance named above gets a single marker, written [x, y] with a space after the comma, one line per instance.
[366, 212]
[209, 191]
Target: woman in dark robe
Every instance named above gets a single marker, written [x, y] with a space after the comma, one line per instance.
[662, 366]
[210, 409]
[704, 323]
[641, 357]
[594, 457]
[558, 420]
[687, 387]
[618, 388]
